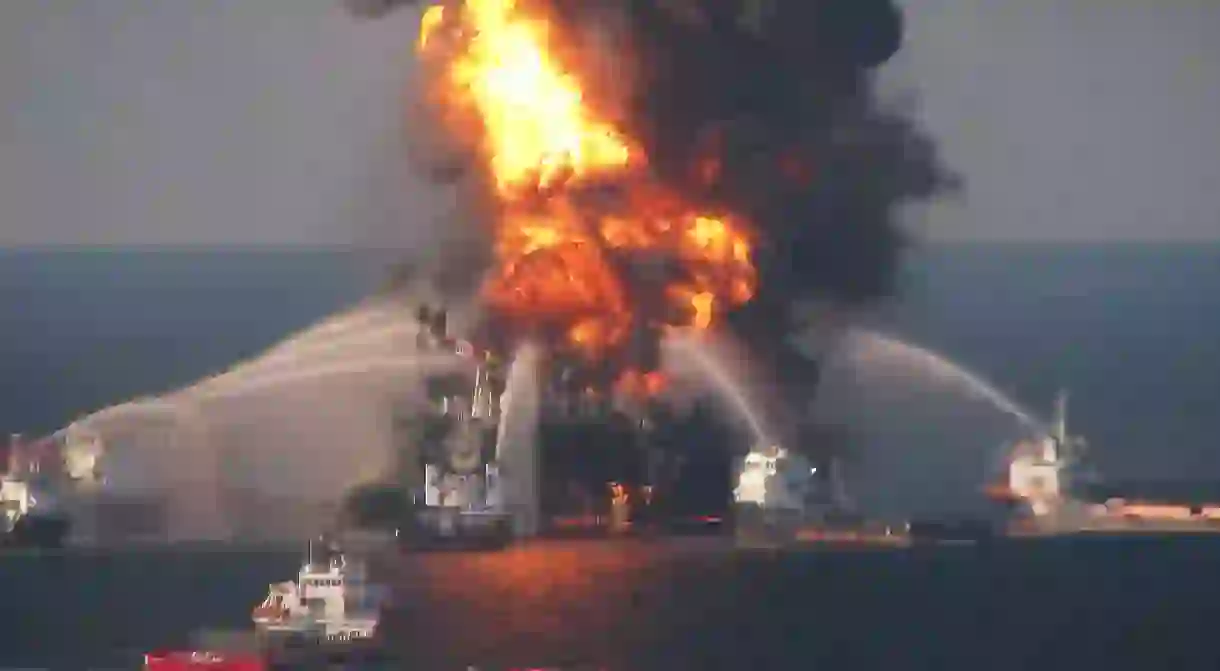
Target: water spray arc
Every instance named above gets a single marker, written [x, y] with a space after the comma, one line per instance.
[517, 432]
[694, 348]
[380, 337]
[195, 506]
[517, 440]
[338, 335]
[189, 467]
[420, 366]
[870, 345]
[383, 330]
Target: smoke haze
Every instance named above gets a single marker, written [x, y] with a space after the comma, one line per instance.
[267, 449]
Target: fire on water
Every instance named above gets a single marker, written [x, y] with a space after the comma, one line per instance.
[564, 252]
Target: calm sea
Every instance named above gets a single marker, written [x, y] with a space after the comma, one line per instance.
[1133, 330]
[691, 604]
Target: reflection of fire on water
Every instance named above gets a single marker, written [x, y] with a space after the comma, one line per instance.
[576, 208]
[620, 507]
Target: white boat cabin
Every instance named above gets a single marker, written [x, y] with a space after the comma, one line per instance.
[15, 501]
[329, 598]
[772, 477]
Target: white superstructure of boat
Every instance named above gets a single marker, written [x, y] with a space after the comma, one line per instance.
[330, 600]
[772, 477]
[1056, 493]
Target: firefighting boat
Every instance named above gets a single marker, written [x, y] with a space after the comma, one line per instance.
[329, 611]
[330, 601]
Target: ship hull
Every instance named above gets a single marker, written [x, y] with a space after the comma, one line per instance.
[38, 531]
[329, 655]
[264, 650]
[932, 531]
[453, 530]
[759, 525]
[1104, 525]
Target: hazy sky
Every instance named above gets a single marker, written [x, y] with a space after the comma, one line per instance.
[274, 121]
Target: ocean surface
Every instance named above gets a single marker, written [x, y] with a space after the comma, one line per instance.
[1132, 330]
[683, 604]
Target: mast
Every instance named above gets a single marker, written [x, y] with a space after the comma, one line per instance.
[838, 491]
[1060, 423]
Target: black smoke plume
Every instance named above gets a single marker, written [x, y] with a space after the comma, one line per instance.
[777, 97]
[805, 151]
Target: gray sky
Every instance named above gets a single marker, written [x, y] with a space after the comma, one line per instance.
[1073, 119]
[274, 121]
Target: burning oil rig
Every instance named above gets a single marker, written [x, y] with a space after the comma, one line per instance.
[627, 195]
[564, 451]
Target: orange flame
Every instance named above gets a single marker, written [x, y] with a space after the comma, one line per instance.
[636, 384]
[544, 147]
